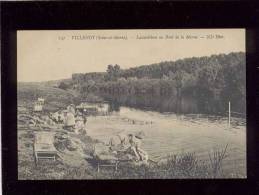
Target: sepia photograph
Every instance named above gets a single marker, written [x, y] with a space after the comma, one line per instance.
[131, 104]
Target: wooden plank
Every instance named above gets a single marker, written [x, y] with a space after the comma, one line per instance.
[43, 145]
[115, 165]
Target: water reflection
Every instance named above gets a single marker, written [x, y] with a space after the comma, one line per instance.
[114, 106]
[184, 105]
[161, 104]
[153, 103]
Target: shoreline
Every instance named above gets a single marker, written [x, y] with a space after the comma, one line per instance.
[97, 124]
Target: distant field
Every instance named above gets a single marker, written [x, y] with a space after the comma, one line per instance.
[54, 97]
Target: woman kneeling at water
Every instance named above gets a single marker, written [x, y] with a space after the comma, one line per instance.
[135, 147]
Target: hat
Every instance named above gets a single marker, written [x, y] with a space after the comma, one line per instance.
[140, 135]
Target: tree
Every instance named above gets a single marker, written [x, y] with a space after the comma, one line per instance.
[210, 80]
[113, 72]
[116, 70]
[63, 86]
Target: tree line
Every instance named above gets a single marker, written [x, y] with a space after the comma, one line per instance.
[213, 80]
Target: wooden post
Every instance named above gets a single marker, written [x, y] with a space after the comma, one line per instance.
[116, 167]
[229, 114]
[98, 168]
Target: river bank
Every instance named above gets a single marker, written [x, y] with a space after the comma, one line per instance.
[181, 144]
[175, 164]
[73, 166]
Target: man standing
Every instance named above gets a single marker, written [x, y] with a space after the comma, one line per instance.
[69, 121]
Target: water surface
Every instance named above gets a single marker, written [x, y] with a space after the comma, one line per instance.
[169, 133]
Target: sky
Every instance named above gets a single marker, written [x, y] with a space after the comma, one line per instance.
[57, 54]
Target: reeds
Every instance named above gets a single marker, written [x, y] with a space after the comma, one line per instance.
[216, 160]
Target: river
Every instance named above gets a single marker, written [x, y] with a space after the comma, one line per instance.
[169, 133]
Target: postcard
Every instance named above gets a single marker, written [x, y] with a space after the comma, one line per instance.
[131, 104]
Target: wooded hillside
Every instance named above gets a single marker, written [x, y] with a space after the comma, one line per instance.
[212, 80]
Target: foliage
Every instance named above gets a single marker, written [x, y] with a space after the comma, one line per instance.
[63, 86]
[212, 81]
[216, 160]
[113, 72]
[92, 98]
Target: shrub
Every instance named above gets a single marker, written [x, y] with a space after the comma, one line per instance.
[63, 86]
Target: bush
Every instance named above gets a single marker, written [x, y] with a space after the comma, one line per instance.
[63, 86]
[92, 98]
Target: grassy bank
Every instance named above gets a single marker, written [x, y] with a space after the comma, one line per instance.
[55, 98]
[71, 165]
